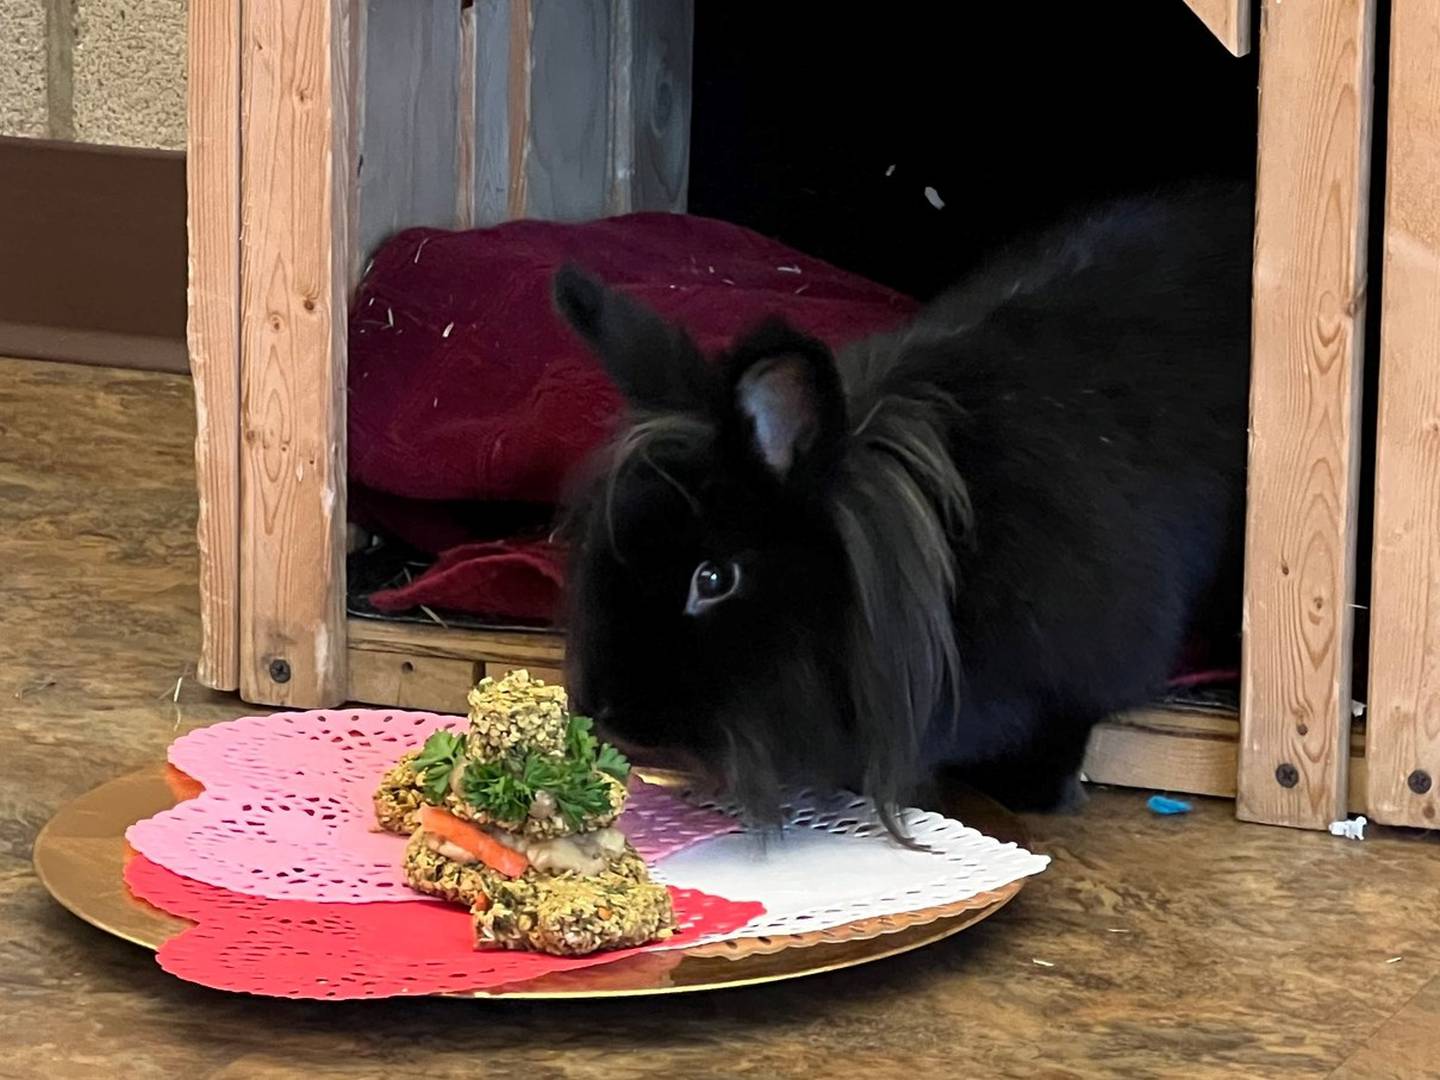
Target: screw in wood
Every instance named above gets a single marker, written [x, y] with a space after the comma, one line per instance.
[280, 670]
[1287, 775]
[1419, 781]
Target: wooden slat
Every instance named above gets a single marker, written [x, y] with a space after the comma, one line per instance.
[356, 14]
[465, 127]
[213, 332]
[412, 682]
[1312, 188]
[429, 667]
[411, 101]
[1130, 756]
[553, 676]
[1186, 752]
[493, 101]
[657, 115]
[619, 194]
[1228, 20]
[567, 160]
[521, 25]
[1404, 690]
[295, 255]
[409, 639]
[582, 108]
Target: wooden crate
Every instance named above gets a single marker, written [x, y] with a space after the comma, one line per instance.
[308, 119]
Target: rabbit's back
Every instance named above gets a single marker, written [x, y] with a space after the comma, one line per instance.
[1096, 382]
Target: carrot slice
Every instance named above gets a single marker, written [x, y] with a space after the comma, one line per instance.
[468, 836]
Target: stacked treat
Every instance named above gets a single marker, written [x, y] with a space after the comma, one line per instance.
[516, 819]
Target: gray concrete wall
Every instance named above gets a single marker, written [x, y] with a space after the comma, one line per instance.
[99, 71]
[23, 108]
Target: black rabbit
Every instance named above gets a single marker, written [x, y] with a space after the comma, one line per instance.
[960, 544]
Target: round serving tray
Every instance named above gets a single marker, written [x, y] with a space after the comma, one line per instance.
[80, 855]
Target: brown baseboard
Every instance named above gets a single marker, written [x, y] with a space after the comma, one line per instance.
[92, 254]
[101, 347]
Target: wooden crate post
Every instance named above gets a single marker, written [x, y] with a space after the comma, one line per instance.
[1403, 724]
[295, 256]
[1309, 305]
[212, 196]
[514, 107]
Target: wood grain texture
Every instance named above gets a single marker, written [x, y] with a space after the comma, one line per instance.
[1406, 1046]
[420, 682]
[582, 108]
[518, 103]
[1404, 692]
[427, 667]
[465, 127]
[409, 161]
[1129, 755]
[1245, 953]
[658, 116]
[411, 640]
[491, 135]
[567, 160]
[619, 193]
[1228, 20]
[212, 199]
[1309, 304]
[357, 36]
[295, 268]
[1194, 753]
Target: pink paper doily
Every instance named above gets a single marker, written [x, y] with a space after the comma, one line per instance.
[302, 949]
[287, 809]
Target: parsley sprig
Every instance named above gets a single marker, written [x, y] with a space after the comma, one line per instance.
[505, 788]
[436, 761]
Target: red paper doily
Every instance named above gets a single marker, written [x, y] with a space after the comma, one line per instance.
[303, 949]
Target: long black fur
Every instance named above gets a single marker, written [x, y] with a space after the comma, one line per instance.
[961, 544]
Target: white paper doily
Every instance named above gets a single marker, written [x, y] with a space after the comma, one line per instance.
[833, 864]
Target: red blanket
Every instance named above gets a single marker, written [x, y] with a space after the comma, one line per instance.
[470, 401]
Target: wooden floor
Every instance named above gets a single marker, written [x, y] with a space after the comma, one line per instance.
[1184, 947]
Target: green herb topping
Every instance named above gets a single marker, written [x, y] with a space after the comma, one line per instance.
[436, 761]
[505, 788]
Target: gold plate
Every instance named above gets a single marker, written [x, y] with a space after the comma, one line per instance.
[81, 853]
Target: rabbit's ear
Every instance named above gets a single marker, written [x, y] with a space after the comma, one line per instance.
[656, 365]
[788, 398]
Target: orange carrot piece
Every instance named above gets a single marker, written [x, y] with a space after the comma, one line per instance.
[468, 836]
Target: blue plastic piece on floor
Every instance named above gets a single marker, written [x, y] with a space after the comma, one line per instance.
[1162, 804]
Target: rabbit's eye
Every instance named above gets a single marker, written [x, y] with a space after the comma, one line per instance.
[711, 583]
